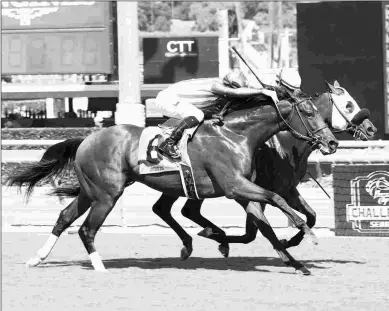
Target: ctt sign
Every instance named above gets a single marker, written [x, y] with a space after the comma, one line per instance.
[363, 207]
[170, 59]
[180, 48]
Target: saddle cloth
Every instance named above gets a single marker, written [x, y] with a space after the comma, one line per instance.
[152, 162]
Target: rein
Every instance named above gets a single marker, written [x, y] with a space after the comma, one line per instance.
[311, 138]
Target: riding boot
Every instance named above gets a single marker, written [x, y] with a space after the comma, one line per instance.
[168, 146]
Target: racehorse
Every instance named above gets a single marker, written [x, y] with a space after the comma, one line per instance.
[280, 166]
[106, 162]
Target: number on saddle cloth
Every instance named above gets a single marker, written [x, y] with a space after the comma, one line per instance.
[153, 155]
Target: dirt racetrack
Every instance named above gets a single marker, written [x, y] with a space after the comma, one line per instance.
[145, 273]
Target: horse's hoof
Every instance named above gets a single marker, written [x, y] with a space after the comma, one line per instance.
[310, 236]
[186, 252]
[288, 264]
[303, 271]
[224, 250]
[206, 232]
[33, 262]
[284, 243]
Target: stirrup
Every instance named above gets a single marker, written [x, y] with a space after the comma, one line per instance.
[169, 149]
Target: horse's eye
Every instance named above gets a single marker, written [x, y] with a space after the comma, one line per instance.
[307, 109]
[350, 107]
[309, 113]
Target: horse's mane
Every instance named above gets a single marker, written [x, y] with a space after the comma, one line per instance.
[235, 104]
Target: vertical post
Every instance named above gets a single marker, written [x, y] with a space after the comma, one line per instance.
[285, 49]
[50, 108]
[271, 41]
[240, 42]
[279, 32]
[238, 12]
[129, 110]
[239, 21]
[224, 57]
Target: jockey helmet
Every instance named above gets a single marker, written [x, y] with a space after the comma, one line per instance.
[235, 79]
[290, 78]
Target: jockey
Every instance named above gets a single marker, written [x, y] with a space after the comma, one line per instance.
[184, 99]
[290, 79]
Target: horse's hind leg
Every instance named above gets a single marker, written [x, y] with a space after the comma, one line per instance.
[87, 232]
[163, 208]
[192, 211]
[67, 216]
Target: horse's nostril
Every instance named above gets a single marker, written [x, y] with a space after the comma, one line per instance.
[370, 129]
[333, 144]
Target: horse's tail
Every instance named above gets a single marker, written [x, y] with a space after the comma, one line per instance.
[56, 159]
[70, 192]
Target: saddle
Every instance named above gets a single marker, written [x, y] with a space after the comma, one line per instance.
[151, 161]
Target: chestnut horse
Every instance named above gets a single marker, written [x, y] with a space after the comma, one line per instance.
[106, 162]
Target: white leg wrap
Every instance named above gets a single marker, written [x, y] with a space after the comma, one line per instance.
[46, 249]
[43, 252]
[96, 262]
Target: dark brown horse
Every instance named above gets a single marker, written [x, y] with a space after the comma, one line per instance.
[106, 162]
[280, 166]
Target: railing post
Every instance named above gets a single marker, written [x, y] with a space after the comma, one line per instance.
[129, 110]
[224, 56]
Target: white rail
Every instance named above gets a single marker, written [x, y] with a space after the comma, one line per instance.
[34, 91]
[376, 157]
[35, 142]
[364, 144]
[349, 156]
[342, 144]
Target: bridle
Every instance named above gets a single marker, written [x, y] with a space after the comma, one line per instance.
[351, 127]
[311, 138]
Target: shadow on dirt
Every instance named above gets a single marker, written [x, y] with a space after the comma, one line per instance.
[194, 263]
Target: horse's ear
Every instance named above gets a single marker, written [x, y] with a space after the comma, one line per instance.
[330, 87]
[336, 83]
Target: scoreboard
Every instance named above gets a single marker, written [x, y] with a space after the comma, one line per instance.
[57, 37]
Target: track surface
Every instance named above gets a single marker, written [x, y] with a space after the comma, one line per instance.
[145, 273]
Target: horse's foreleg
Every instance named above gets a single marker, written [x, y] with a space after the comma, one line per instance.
[192, 211]
[296, 201]
[255, 215]
[67, 216]
[251, 229]
[162, 208]
[244, 189]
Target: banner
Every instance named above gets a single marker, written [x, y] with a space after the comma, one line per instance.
[361, 199]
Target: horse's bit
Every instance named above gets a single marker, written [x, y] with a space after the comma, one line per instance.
[312, 139]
